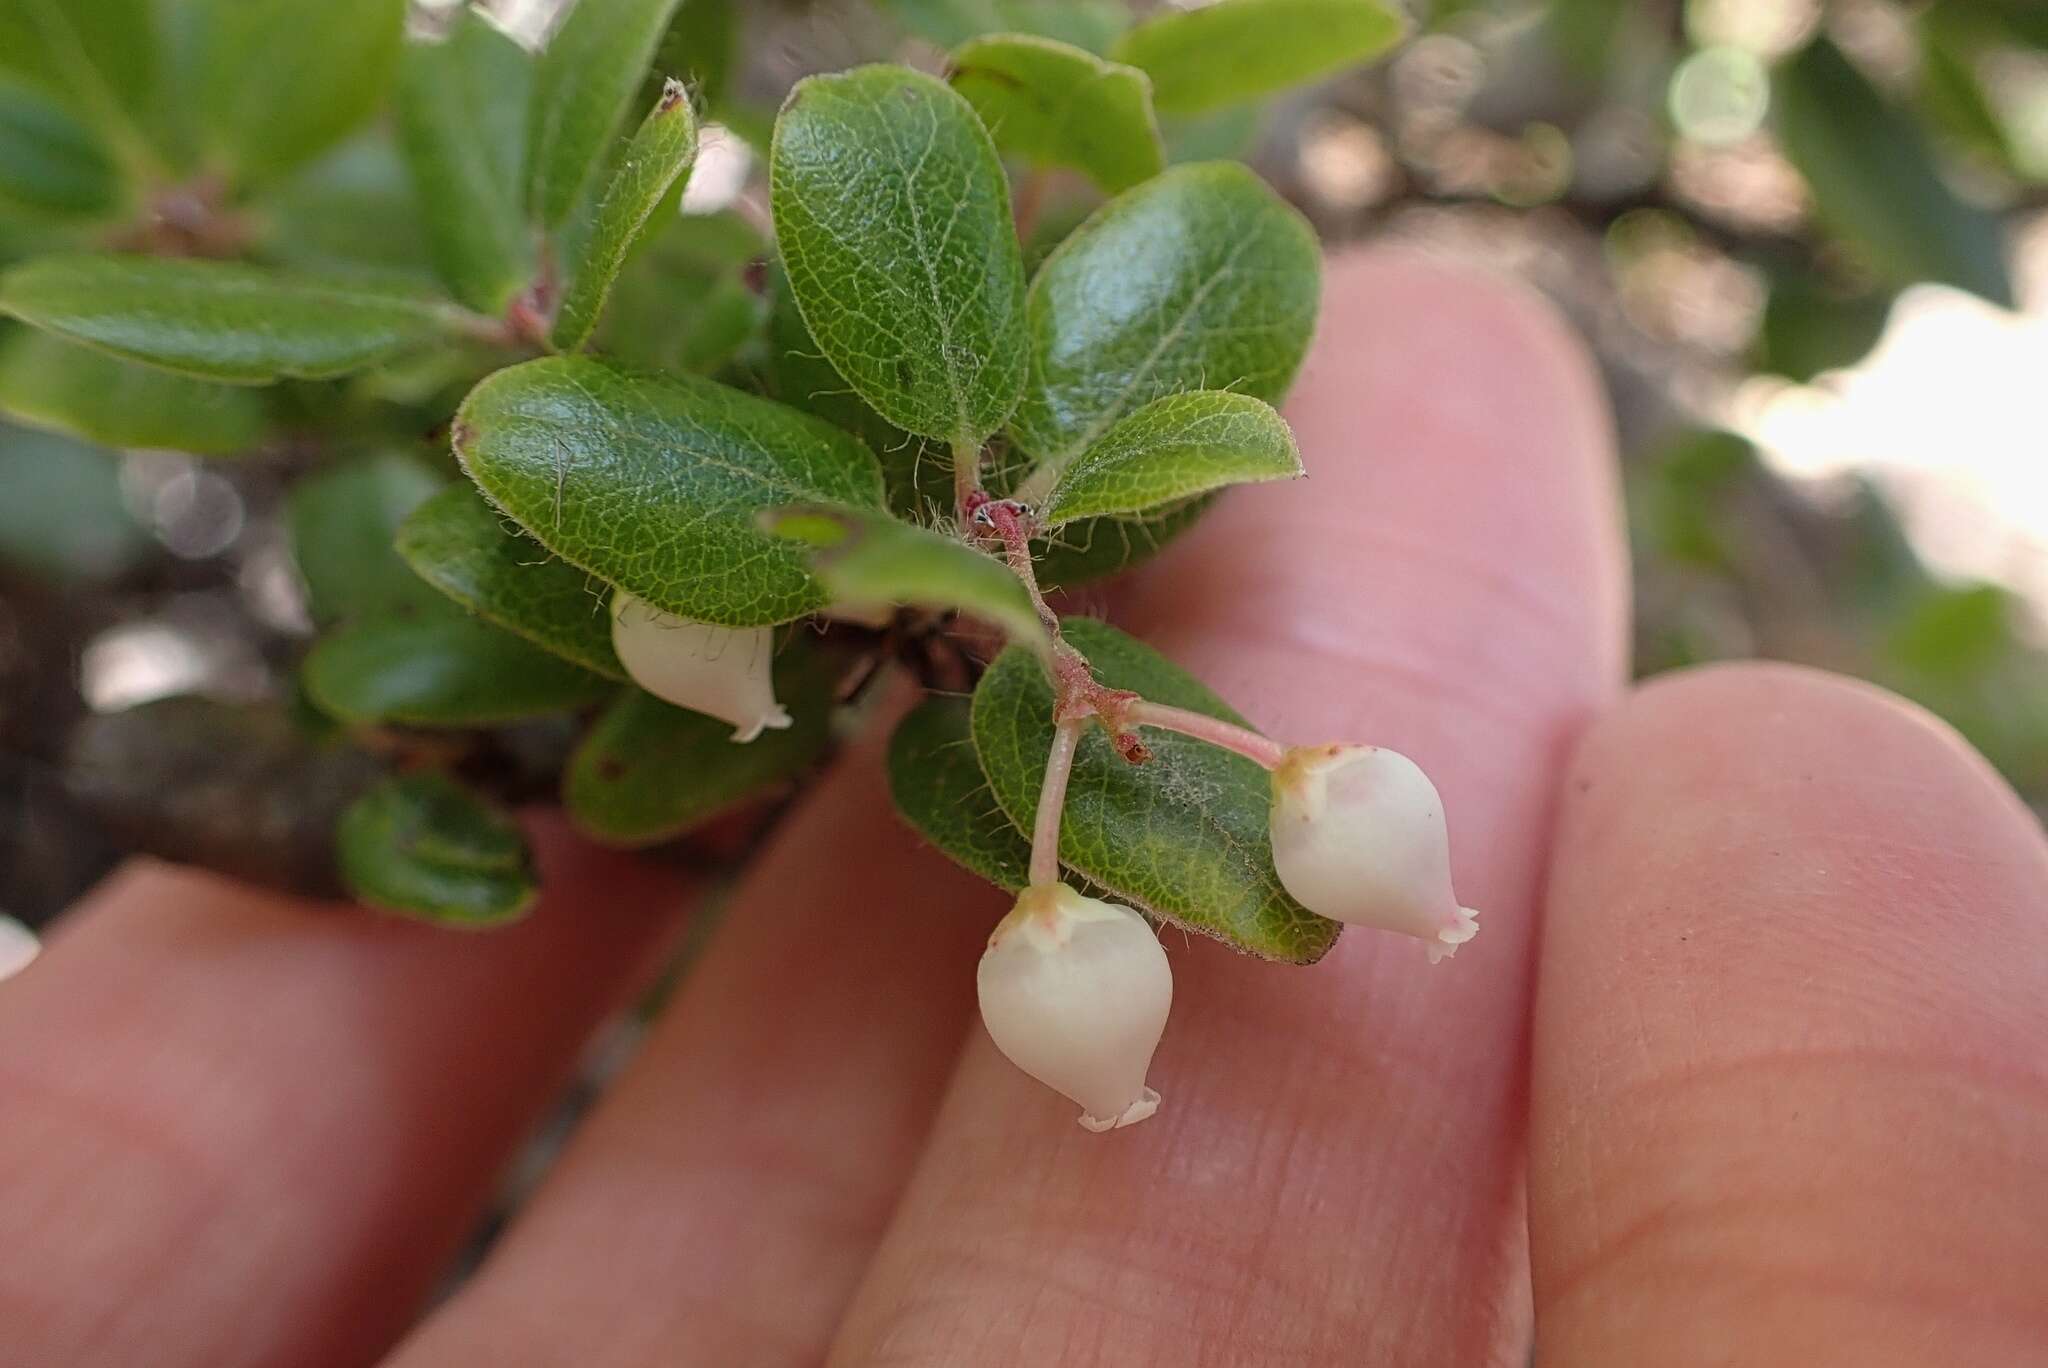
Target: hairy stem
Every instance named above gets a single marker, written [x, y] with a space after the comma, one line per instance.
[1215, 731]
[1052, 802]
[967, 494]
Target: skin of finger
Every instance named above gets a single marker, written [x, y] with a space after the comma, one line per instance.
[239, 1129]
[1334, 1175]
[720, 1206]
[1791, 1049]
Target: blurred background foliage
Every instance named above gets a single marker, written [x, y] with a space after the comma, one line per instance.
[1808, 242]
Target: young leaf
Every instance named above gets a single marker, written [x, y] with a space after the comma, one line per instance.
[1236, 51]
[424, 846]
[870, 559]
[1173, 449]
[1874, 181]
[342, 520]
[430, 664]
[654, 484]
[588, 74]
[51, 166]
[647, 772]
[1058, 105]
[281, 81]
[221, 320]
[1202, 278]
[462, 118]
[51, 383]
[894, 221]
[1183, 836]
[940, 790]
[465, 548]
[658, 157]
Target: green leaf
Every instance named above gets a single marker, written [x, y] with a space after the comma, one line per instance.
[1173, 449]
[700, 49]
[1236, 51]
[1874, 180]
[940, 790]
[462, 546]
[894, 221]
[1809, 327]
[1092, 548]
[1183, 836]
[430, 664]
[462, 116]
[870, 559]
[685, 302]
[53, 384]
[424, 846]
[221, 320]
[342, 520]
[63, 517]
[281, 81]
[51, 166]
[655, 162]
[97, 55]
[647, 772]
[588, 74]
[654, 484]
[352, 213]
[1057, 105]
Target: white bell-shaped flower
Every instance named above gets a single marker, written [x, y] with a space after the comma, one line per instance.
[1359, 837]
[725, 672]
[1075, 992]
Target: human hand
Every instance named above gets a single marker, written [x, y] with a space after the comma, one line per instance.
[1771, 1085]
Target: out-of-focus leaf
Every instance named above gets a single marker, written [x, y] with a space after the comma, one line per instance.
[99, 56]
[50, 383]
[280, 81]
[469, 551]
[351, 213]
[654, 484]
[939, 788]
[430, 664]
[1809, 328]
[424, 846]
[687, 301]
[1223, 135]
[648, 772]
[1058, 105]
[1235, 51]
[588, 74]
[342, 521]
[221, 320]
[51, 166]
[62, 515]
[1874, 180]
[1183, 836]
[462, 107]
[1173, 449]
[655, 162]
[893, 217]
[700, 49]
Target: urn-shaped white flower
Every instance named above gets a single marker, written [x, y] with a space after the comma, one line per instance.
[1359, 836]
[1075, 992]
[722, 671]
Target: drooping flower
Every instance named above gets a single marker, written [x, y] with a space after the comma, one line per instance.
[1359, 837]
[1075, 992]
[724, 672]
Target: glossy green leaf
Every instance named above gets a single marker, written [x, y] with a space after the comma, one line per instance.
[1173, 449]
[1183, 836]
[655, 162]
[462, 107]
[940, 790]
[893, 217]
[1874, 181]
[62, 516]
[469, 551]
[342, 520]
[51, 383]
[96, 55]
[221, 320]
[647, 772]
[281, 81]
[1236, 51]
[1202, 278]
[1058, 105]
[424, 846]
[871, 559]
[654, 484]
[431, 664]
[588, 75]
[51, 166]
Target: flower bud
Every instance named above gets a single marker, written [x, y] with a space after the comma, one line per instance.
[1075, 991]
[720, 671]
[1358, 836]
